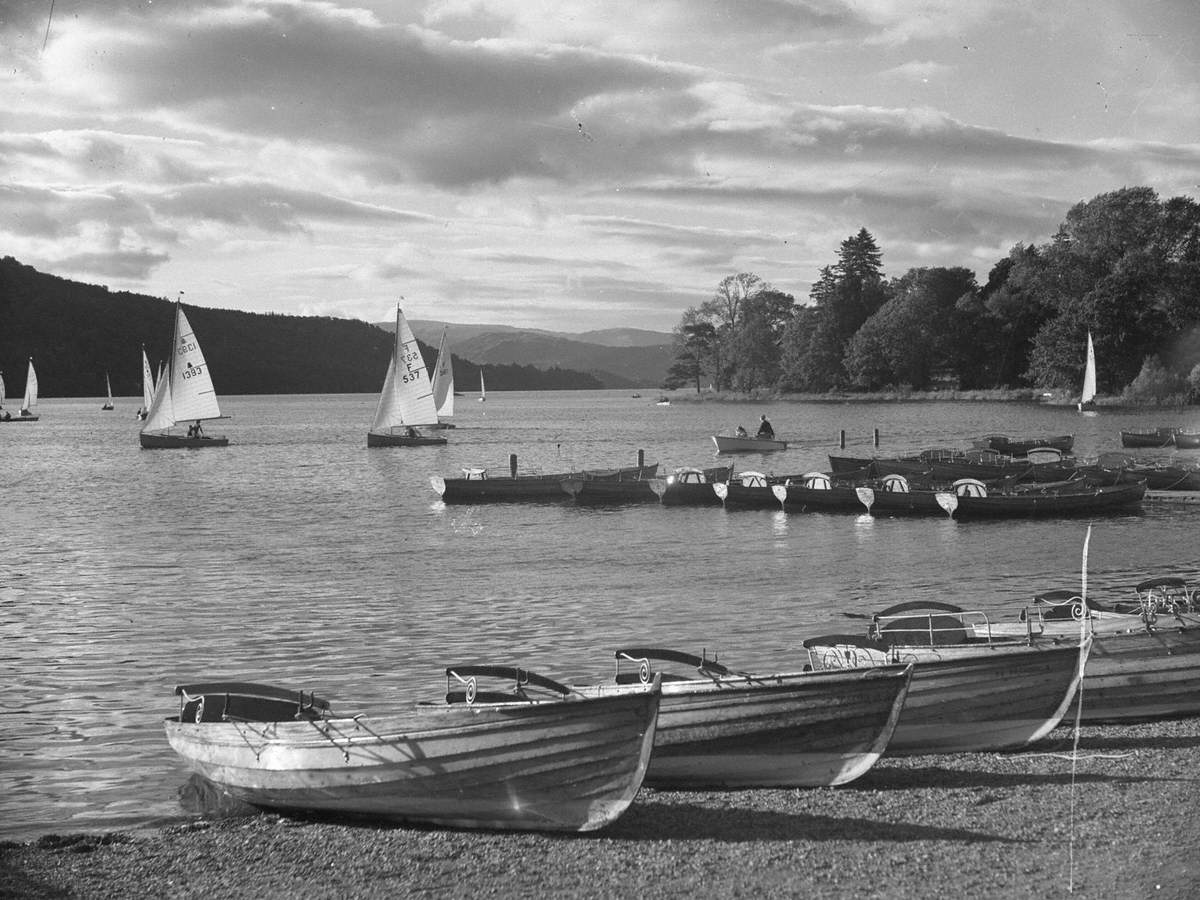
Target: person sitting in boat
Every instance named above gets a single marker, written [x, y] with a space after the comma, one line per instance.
[765, 430]
[411, 432]
[741, 432]
[195, 431]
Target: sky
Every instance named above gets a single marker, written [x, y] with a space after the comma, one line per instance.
[568, 165]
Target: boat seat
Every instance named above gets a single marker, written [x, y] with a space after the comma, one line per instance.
[224, 701]
[925, 631]
[487, 697]
[897, 484]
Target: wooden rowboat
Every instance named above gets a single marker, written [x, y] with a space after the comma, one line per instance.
[718, 728]
[478, 485]
[1145, 657]
[483, 759]
[731, 443]
[965, 698]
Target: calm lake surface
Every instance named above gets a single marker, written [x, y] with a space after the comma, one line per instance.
[297, 556]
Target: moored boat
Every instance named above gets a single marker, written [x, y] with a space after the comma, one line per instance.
[1020, 446]
[1157, 437]
[406, 399]
[483, 759]
[748, 490]
[718, 728]
[690, 486]
[478, 485]
[185, 393]
[1187, 440]
[964, 698]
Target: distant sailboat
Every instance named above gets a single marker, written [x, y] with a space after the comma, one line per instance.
[1087, 399]
[108, 404]
[147, 386]
[184, 394]
[443, 385]
[27, 413]
[482, 389]
[407, 396]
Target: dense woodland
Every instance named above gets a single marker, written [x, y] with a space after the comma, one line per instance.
[1124, 265]
[77, 332]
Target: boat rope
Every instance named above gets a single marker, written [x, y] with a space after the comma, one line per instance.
[327, 734]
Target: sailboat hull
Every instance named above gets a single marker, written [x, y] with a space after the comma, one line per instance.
[21, 419]
[177, 442]
[402, 440]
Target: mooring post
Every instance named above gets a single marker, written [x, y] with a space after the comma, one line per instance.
[842, 439]
[876, 438]
[512, 464]
[641, 458]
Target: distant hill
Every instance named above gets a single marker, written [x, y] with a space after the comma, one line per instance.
[617, 357]
[77, 332]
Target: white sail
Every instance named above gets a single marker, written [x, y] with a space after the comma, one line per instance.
[1089, 375]
[186, 393]
[192, 393]
[161, 415]
[482, 389]
[1, 388]
[443, 381]
[147, 382]
[407, 395]
[108, 404]
[31, 389]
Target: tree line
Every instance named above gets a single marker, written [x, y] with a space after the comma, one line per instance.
[1123, 266]
[77, 333]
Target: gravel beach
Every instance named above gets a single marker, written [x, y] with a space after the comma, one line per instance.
[976, 825]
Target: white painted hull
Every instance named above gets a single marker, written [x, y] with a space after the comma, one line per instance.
[572, 765]
[802, 729]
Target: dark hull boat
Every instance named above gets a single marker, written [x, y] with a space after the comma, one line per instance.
[179, 442]
[478, 486]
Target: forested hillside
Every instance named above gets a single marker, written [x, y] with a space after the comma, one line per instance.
[77, 332]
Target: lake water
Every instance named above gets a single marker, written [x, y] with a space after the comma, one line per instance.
[297, 556]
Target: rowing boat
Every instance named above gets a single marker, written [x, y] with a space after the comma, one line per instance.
[483, 759]
[965, 698]
[720, 728]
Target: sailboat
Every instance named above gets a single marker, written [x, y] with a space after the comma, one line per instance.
[443, 385]
[482, 389]
[1087, 399]
[108, 404]
[147, 386]
[184, 394]
[31, 391]
[407, 396]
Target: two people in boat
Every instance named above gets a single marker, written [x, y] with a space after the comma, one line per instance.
[195, 431]
[741, 432]
[764, 429]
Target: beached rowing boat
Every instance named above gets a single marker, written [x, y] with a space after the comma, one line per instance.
[963, 698]
[722, 728]
[483, 759]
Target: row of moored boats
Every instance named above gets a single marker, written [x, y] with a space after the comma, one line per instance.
[508, 748]
[1000, 476]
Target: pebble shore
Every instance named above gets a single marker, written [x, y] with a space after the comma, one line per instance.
[1120, 821]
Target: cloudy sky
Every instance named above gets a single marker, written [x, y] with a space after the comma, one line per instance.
[567, 165]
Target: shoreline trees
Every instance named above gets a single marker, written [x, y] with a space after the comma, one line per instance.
[1123, 265]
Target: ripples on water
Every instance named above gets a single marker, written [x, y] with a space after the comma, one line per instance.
[297, 556]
